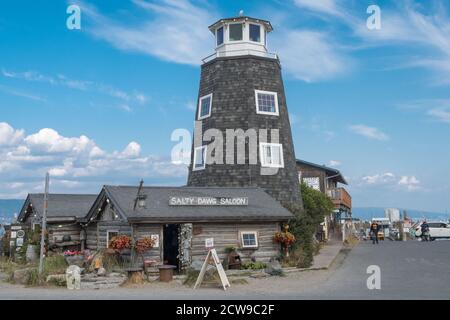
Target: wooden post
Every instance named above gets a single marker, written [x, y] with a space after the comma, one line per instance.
[44, 224]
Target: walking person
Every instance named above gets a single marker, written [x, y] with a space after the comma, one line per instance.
[425, 231]
[374, 228]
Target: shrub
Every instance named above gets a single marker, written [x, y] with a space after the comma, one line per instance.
[254, 265]
[55, 265]
[305, 222]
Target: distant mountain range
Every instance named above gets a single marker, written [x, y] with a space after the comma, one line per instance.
[8, 208]
[367, 213]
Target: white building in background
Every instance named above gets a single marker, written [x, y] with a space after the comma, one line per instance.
[392, 214]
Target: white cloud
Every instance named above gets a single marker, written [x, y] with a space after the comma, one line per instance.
[425, 28]
[133, 150]
[174, 30]
[369, 132]
[379, 178]
[391, 181]
[334, 163]
[411, 183]
[76, 164]
[20, 93]
[310, 56]
[82, 85]
[323, 6]
[441, 114]
[190, 105]
[9, 136]
[50, 141]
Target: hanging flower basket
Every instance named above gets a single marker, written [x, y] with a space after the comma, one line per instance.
[119, 243]
[144, 244]
[286, 239]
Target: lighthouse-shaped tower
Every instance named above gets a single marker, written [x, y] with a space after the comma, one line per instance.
[242, 104]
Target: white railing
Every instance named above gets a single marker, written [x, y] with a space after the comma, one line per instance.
[242, 52]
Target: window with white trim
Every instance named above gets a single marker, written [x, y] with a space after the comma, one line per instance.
[110, 234]
[204, 106]
[249, 239]
[266, 102]
[236, 32]
[219, 36]
[271, 155]
[199, 158]
[255, 33]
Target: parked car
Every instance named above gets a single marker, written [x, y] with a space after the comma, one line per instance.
[438, 230]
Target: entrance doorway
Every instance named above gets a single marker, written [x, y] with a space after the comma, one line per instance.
[171, 244]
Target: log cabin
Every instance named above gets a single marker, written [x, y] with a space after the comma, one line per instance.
[64, 214]
[183, 220]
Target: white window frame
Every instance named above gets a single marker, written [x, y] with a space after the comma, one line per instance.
[262, 157]
[229, 30]
[276, 113]
[255, 233]
[194, 168]
[223, 36]
[260, 33]
[107, 236]
[199, 117]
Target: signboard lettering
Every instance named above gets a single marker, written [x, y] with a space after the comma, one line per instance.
[208, 201]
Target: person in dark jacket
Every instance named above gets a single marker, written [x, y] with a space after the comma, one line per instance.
[374, 228]
[425, 230]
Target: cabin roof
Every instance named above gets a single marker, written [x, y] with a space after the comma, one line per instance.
[329, 171]
[261, 206]
[59, 205]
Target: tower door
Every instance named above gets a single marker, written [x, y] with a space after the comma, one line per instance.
[171, 244]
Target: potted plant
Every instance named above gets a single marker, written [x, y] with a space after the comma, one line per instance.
[233, 260]
[285, 238]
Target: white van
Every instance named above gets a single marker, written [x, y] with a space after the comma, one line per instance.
[438, 230]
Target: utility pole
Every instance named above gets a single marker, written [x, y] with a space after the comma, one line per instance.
[44, 224]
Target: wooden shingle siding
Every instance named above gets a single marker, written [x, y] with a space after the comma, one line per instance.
[226, 235]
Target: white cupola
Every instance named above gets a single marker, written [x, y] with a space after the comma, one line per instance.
[241, 36]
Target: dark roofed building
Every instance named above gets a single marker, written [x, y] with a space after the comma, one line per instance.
[64, 214]
[182, 219]
[328, 181]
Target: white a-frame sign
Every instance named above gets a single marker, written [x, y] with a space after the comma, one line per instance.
[214, 258]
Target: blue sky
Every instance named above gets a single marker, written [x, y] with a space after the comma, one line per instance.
[98, 105]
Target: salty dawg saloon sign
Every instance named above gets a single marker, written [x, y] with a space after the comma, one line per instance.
[208, 201]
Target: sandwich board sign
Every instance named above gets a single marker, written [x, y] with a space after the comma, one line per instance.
[213, 258]
[209, 243]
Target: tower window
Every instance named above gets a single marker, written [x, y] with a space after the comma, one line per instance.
[255, 33]
[271, 155]
[235, 32]
[204, 107]
[266, 102]
[219, 36]
[199, 158]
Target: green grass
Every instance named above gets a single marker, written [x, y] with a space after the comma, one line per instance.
[8, 267]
